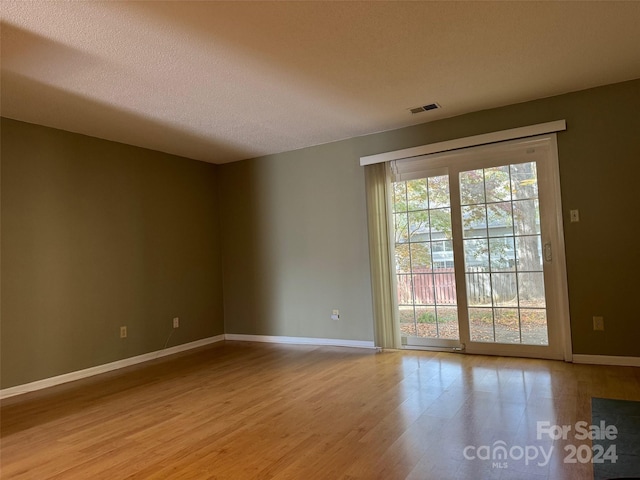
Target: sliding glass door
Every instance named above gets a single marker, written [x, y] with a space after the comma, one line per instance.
[423, 248]
[475, 232]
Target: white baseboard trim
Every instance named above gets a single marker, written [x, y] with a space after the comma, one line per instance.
[107, 367]
[607, 360]
[334, 342]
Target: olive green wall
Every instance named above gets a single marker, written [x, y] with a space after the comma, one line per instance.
[295, 245]
[294, 236]
[96, 235]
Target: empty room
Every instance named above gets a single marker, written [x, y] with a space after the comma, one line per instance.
[319, 240]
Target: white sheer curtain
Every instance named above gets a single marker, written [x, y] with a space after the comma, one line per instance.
[387, 328]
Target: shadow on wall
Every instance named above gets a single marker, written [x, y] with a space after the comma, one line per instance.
[249, 273]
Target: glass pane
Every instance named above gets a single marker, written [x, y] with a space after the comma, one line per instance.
[442, 255]
[524, 180]
[426, 320]
[497, 184]
[420, 256]
[507, 325]
[472, 187]
[445, 287]
[402, 258]
[474, 221]
[399, 197]
[481, 324]
[502, 254]
[505, 290]
[439, 191]
[478, 289]
[476, 255]
[417, 194]
[424, 246]
[531, 290]
[405, 296]
[400, 226]
[529, 253]
[440, 223]
[526, 217]
[500, 219]
[423, 293]
[534, 327]
[419, 226]
[407, 323]
[448, 322]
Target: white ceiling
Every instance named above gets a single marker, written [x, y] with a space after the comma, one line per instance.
[223, 81]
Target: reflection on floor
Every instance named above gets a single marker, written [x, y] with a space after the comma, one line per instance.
[242, 410]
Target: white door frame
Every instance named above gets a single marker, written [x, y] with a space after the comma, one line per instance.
[552, 231]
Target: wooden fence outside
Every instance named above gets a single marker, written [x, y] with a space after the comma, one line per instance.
[438, 286]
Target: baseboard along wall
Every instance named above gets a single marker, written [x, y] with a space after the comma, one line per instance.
[97, 370]
[127, 362]
[107, 367]
[607, 360]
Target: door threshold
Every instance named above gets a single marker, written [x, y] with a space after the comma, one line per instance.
[434, 349]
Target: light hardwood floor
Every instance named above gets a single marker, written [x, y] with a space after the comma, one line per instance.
[243, 410]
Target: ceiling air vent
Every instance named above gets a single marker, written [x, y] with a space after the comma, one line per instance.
[424, 108]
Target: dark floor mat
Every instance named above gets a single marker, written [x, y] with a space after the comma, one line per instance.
[625, 416]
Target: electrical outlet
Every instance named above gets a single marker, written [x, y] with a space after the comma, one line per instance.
[123, 332]
[574, 216]
[335, 315]
[598, 323]
[176, 322]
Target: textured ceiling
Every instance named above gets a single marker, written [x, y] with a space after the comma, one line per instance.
[223, 81]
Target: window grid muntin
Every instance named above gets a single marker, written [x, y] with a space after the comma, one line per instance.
[490, 271]
[412, 239]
